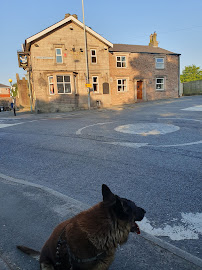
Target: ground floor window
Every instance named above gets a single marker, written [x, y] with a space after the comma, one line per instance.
[64, 84]
[160, 84]
[51, 85]
[95, 83]
[122, 85]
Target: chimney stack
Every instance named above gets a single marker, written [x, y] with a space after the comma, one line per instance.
[73, 15]
[153, 42]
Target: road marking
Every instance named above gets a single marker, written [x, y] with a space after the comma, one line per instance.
[173, 145]
[197, 108]
[184, 119]
[8, 125]
[138, 145]
[78, 132]
[127, 144]
[146, 129]
[190, 227]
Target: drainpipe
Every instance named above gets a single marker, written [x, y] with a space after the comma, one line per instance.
[179, 75]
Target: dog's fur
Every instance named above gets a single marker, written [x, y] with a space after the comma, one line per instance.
[89, 240]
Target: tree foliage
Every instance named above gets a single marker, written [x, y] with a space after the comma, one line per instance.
[191, 73]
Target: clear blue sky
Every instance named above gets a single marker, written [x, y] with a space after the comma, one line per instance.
[177, 22]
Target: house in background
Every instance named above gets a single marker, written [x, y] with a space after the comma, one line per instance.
[5, 98]
[119, 74]
[143, 73]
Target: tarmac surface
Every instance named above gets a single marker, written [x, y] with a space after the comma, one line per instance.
[29, 212]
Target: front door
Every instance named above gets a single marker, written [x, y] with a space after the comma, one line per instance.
[139, 89]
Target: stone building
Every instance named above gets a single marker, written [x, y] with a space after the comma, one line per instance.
[55, 61]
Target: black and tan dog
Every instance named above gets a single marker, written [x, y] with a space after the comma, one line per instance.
[89, 240]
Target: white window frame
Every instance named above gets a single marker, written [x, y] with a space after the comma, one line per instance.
[121, 61]
[93, 56]
[160, 84]
[58, 55]
[51, 84]
[95, 83]
[64, 83]
[122, 85]
[159, 65]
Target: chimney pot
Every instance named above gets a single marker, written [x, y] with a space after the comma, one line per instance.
[67, 15]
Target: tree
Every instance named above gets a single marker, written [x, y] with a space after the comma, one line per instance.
[191, 73]
[15, 89]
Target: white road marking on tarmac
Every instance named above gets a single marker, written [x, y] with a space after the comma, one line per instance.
[184, 119]
[79, 131]
[190, 227]
[9, 125]
[146, 129]
[127, 144]
[197, 108]
[173, 145]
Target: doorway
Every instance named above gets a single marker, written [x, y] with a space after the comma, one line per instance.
[139, 89]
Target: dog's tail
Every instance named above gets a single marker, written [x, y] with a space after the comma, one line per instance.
[33, 253]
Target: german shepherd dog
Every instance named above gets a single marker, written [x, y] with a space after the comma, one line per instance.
[88, 241]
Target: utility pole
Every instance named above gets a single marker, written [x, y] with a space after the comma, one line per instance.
[86, 55]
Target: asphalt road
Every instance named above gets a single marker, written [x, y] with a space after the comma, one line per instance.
[149, 152]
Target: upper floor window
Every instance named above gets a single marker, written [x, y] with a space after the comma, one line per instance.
[160, 84]
[159, 63]
[64, 84]
[58, 53]
[122, 85]
[95, 83]
[93, 57]
[121, 61]
[51, 85]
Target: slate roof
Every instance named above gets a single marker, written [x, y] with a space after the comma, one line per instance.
[139, 49]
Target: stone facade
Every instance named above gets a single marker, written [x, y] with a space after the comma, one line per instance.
[57, 68]
[140, 67]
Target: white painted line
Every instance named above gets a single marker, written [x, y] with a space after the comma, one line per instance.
[79, 131]
[184, 119]
[177, 145]
[9, 125]
[197, 108]
[127, 144]
[138, 145]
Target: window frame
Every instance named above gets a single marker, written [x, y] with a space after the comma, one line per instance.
[122, 85]
[95, 83]
[156, 63]
[49, 85]
[93, 56]
[121, 61]
[160, 89]
[57, 55]
[64, 83]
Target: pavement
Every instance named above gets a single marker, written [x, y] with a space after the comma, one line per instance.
[29, 212]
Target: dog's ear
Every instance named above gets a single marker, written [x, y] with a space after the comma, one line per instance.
[107, 194]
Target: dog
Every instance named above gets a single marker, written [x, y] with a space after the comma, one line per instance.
[88, 241]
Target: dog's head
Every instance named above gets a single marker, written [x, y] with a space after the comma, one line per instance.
[125, 209]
